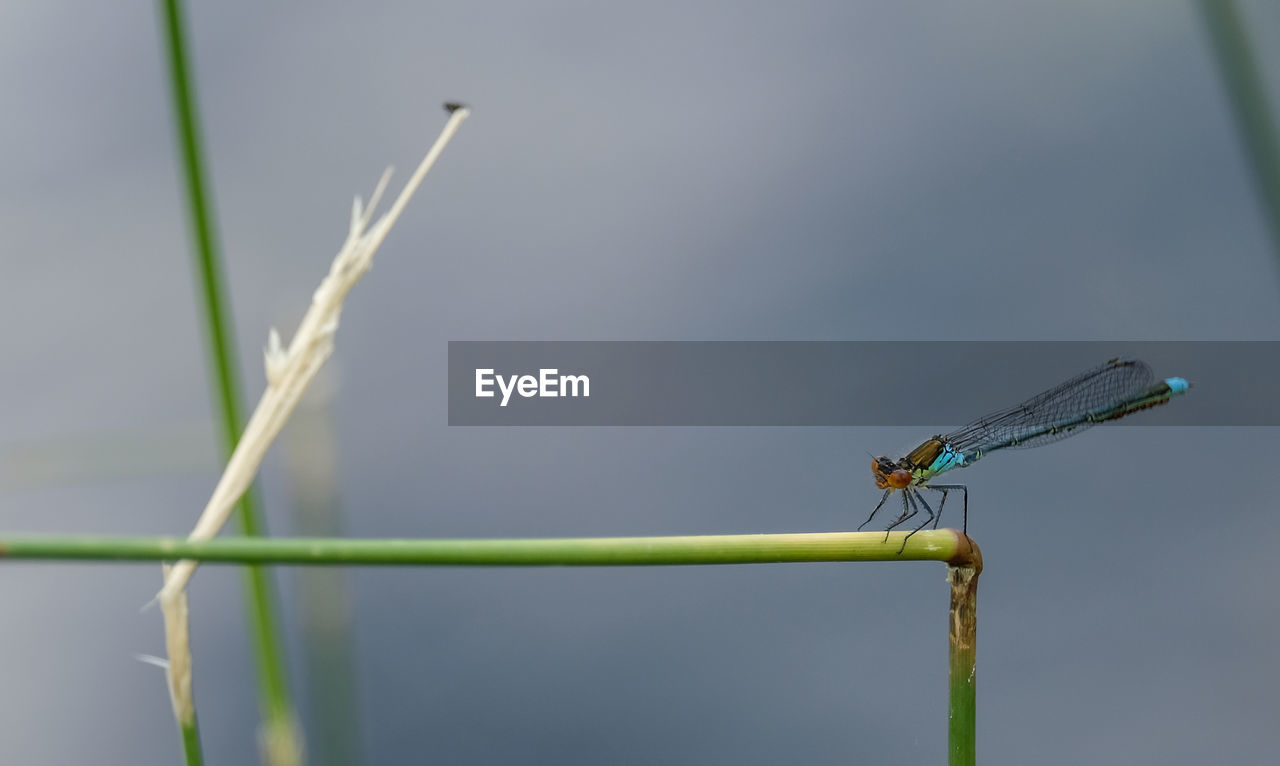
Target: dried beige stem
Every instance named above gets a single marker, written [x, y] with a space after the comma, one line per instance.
[289, 371]
[177, 641]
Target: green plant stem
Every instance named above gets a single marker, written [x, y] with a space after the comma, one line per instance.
[330, 691]
[930, 545]
[940, 545]
[191, 743]
[263, 616]
[963, 637]
[1247, 93]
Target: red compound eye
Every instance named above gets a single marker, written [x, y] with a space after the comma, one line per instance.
[899, 479]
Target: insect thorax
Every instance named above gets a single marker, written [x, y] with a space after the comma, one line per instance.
[933, 457]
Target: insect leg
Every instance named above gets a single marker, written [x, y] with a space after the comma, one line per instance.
[883, 498]
[906, 497]
[944, 488]
[927, 509]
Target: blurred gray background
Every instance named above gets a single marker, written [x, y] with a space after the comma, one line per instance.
[655, 171]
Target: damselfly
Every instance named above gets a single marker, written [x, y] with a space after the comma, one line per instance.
[1118, 388]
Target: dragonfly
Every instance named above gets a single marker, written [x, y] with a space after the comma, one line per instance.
[1120, 387]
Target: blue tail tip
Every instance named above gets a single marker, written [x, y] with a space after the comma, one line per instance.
[1177, 385]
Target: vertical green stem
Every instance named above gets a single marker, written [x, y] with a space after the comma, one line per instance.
[191, 743]
[963, 635]
[1247, 93]
[279, 724]
[323, 597]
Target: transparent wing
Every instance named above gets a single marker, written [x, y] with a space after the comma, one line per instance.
[1096, 389]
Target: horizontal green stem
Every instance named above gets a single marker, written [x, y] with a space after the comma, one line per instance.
[929, 545]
